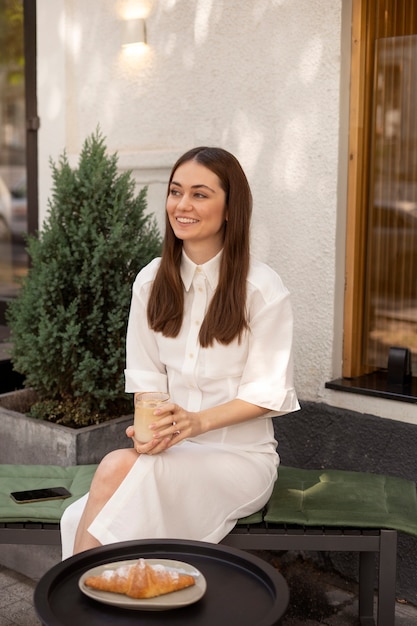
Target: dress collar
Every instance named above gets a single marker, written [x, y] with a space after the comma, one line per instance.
[209, 269]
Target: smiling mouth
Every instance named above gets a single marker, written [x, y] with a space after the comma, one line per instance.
[186, 220]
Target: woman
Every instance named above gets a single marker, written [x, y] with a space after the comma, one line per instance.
[212, 326]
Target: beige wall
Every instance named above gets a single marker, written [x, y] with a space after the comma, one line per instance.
[265, 79]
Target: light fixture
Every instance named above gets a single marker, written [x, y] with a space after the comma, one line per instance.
[133, 32]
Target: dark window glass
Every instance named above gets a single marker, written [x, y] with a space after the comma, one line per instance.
[13, 187]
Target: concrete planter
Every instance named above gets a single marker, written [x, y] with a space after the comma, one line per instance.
[29, 441]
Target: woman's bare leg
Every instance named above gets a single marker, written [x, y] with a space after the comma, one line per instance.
[109, 475]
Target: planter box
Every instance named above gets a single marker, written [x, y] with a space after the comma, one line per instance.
[29, 441]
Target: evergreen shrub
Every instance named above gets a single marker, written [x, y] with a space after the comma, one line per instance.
[68, 323]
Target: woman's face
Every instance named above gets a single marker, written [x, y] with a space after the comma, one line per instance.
[196, 207]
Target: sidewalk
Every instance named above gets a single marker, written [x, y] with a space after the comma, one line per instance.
[317, 597]
[16, 599]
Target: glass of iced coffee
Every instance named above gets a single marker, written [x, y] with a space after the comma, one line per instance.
[145, 405]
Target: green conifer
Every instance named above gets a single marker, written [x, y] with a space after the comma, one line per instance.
[68, 323]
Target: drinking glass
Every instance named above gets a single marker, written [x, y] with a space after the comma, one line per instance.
[145, 405]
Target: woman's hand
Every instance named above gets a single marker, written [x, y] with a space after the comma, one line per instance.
[172, 425]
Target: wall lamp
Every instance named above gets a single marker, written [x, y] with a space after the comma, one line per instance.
[133, 32]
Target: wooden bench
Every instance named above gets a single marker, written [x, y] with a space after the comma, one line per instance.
[317, 510]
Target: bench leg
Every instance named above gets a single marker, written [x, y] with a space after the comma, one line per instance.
[366, 588]
[387, 578]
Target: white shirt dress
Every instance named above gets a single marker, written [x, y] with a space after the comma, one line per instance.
[199, 488]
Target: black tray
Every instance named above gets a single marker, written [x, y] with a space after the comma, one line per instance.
[241, 588]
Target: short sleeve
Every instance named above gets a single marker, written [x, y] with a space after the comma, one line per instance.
[268, 378]
[144, 370]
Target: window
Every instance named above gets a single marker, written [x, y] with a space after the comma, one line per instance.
[381, 259]
[18, 142]
[391, 264]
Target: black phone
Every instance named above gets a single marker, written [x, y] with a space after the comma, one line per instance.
[39, 495]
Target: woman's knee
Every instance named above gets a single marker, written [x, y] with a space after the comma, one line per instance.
[115, 466]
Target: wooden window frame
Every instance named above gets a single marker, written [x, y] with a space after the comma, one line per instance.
[357, 191]
[370, 21]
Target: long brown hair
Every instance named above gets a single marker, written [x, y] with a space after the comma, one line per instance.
[226, 318]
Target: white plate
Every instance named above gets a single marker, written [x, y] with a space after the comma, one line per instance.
[173, 600]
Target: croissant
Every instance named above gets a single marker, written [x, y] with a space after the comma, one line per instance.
[140, 580]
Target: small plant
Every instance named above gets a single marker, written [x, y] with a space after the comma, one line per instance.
[68, 323]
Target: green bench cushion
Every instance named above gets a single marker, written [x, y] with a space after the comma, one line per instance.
[303, 497]
[343, 499]
[255, 518]
[76, 479]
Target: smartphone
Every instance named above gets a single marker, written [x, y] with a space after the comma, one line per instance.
[39, 495]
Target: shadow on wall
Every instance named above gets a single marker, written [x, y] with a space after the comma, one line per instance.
[321, 436]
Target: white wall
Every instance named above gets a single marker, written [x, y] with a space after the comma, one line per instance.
[261, 78]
